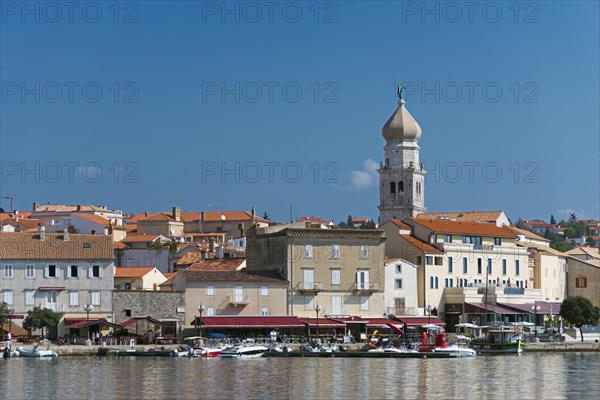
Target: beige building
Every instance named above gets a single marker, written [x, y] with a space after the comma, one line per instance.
[138, 278]
[230, 293]
[169, 225]
[341, 270]
[584, 278]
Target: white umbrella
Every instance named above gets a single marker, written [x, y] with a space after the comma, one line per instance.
[466, 325]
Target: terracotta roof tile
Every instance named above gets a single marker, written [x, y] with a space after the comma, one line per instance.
[466, 216]
[231, 276]
[94, 218]
[401, 224]
[189, 258]
[132, 272]
[143, 238]
[427, 248]
[28, 246]
[225, 264]
[460, 227]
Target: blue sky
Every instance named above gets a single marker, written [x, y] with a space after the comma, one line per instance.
[148, 104]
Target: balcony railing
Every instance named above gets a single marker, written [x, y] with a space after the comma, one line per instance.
[365, 287]
[309, 287]
[238, 300]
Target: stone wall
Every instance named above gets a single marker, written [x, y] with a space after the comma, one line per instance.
[157, 304]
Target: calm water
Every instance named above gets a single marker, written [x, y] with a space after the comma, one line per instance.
[529, 376]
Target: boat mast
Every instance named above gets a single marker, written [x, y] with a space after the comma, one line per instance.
[487, 283]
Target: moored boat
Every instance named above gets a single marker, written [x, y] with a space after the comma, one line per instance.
[244, 351]
[36, 352]
[501, 339]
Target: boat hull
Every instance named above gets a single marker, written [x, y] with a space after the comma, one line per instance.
[244, 352]
[499, 348]
[23, 352]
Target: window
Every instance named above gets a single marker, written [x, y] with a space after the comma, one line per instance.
[581, 282]
[503, 266]
[449, 282]
[439, 261]
[472, 239]
[210, 311]
[463, 282]
[50, 271]
[398, 268]
[433, 282]
[153, 228]
[240, 226]
[73, 298]
[264, 290]
[428, 260]
[335, 252]
[7, 297]
[308, 251]
[336, 305]
[308, 303]
[362, 280]
[29, 297]
[450, 266]
[72, 271]
[489, 266]
[94, 271]
[479, 266]
[401, 187]
[436, 282]
[127, 285]
[447, 238]
[517, 267]
[398, 284]
[210, 290]
[336, 277]
[364, 252]
[8, 271]
[95, 297]
[393, 187]
[497, 241]
[127, 313]
[264, 311]
[30, 271]
[465, 265]
[364, 303]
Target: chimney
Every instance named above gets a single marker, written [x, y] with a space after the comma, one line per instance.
[93, 231]
[201, 220]
[66, 235]
[42, 232]
[253, 216]
[220, 252]
[177, 213]
[145, 213]
[78, 207]
[36, 205]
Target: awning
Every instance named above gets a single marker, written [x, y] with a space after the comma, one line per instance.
[323, 322]
[420, 321]
[546, 307]
[83, 322]
[482, 308]
[378, 322]
[135, 320]
[263, 321]
[51, 288]
[14, 329]
[350, 320]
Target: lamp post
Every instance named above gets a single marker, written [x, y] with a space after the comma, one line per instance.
[318, 310]
[428, 308]
[535, 308]
[199, 320]
[88, 308]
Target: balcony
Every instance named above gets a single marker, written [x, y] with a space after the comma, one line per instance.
[485, 247]
[309, 287]
[238, 300]
[361, 287]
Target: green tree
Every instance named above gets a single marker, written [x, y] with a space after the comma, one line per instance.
[552, 220]
[370, 224]
[590, 241]
[579, 311]
[41, 318]
[349, 222]
[5, 313]
[562, 246]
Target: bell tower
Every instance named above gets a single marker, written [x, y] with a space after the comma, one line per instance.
[401, 175]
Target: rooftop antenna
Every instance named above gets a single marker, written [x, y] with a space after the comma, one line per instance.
[291, 214]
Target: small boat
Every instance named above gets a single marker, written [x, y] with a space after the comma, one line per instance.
[148, 353]
[280, 348]
[36, 352]
[244, 351]
[204, 352]
[456, 351]
[501, 339]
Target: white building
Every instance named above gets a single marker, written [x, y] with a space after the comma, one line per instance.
[400, 296]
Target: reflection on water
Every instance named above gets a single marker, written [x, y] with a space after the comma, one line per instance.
[529, 376]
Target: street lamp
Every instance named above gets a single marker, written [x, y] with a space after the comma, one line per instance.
[428, 308]
[318, 310]
[535, 308]
[88, 308]
[199, 319]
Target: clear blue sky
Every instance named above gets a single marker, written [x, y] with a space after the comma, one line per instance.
[189, 89]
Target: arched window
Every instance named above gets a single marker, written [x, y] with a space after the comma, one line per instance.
[400, 187]
[392, 187]
[431, 282]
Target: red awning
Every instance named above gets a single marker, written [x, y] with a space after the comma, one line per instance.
[83, 322]
[270, 321]
[482, 308]
[350, 320]
[51, 288]
[546, 307]
[324, 322]
[420, 321]
[377, 322]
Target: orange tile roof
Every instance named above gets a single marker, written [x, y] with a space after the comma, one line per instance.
[212, 216]
[526, 233]
[132, 272]
[389, 260]
[28, 246]
[401, 224]
[427, 248]
[160, 216]
[466, 216]
[143, 238]
[225, 264]
[94, 218]
[461, 227]
[189, 258]
[119, 245]
[19, 215]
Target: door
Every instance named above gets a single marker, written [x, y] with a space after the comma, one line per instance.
[239, 294]
[336, 305]
[52, 300]
[309, 279]
[362, 280]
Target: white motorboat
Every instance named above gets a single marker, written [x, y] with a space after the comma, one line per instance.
[279, 348]
[248, 351]
[456, 351]
[205, 352]
[36, 352]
